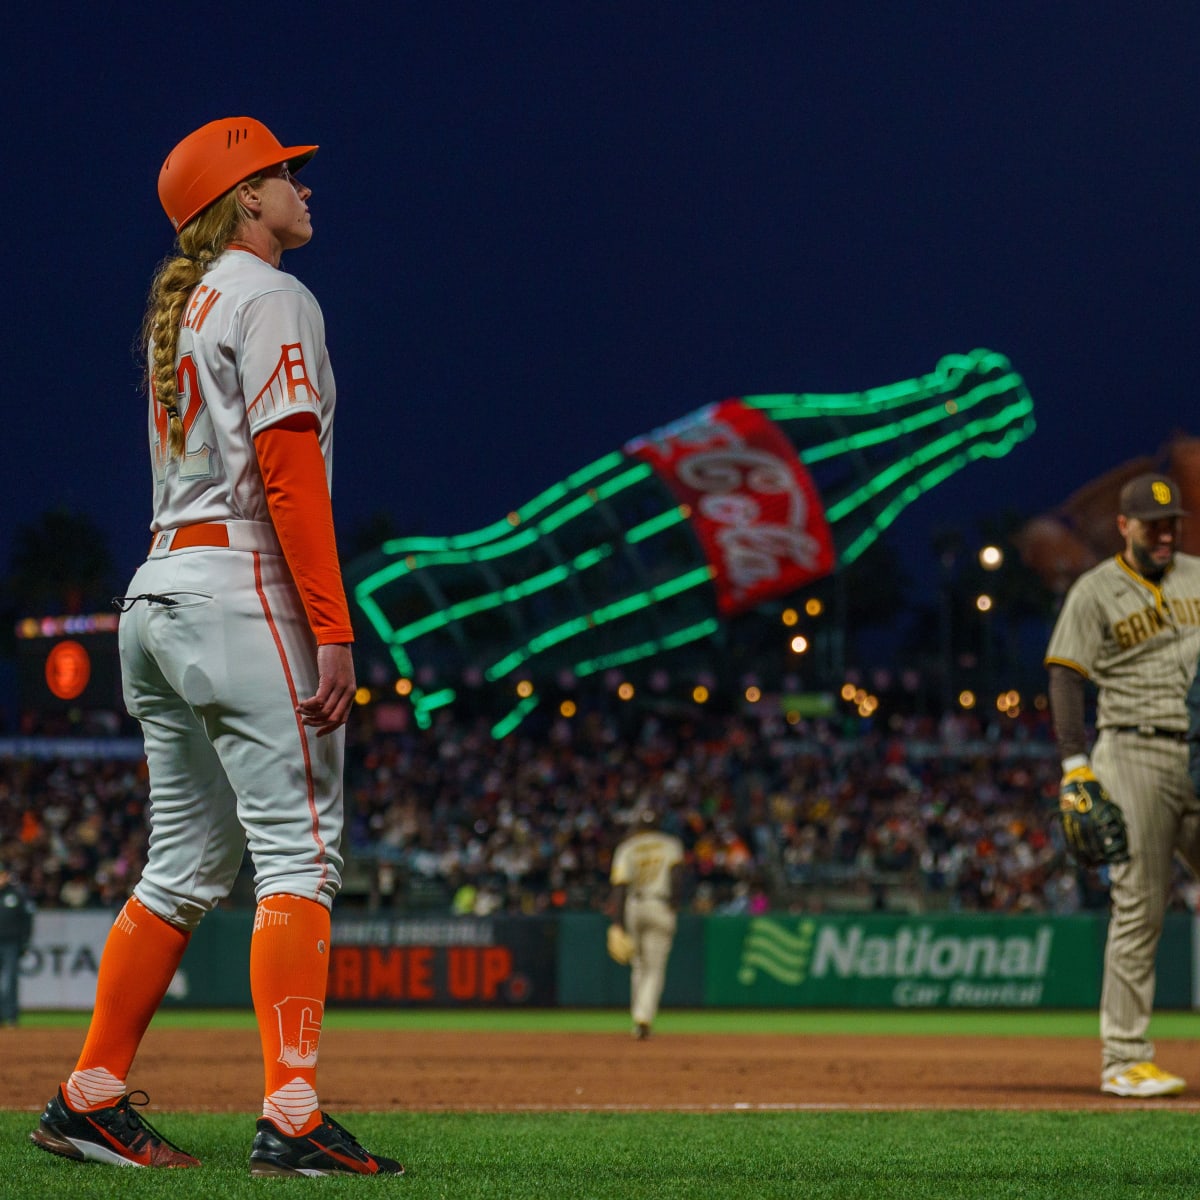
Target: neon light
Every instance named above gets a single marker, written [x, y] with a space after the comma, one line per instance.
[435, 699]
[874, 437]
[943, 378]
[949, 441]
[622, 658]
[499, 528]
[468, 608]
[871, 454]
[439, 551]
[568, 512]
[601, 616]
[635, 475]
[647, 529]
[547, 579]
[507, 724]
[934, 477]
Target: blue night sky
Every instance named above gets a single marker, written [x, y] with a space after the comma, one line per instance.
[544, 228]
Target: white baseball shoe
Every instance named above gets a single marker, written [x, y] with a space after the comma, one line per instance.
[1141, 1080]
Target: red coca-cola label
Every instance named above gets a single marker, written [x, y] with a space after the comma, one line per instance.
[752, 503]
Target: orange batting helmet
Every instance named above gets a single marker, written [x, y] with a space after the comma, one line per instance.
[207, 163]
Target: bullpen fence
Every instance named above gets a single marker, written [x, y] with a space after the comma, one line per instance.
[788, 961]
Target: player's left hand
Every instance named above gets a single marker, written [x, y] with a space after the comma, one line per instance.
[330, 708]
[619, 945]
[1093, 825]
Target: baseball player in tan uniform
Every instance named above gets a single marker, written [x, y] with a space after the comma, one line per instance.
[647, 875]
[1131, 626]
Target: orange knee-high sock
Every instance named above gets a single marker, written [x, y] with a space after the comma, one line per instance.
[289, 970]
[141, 954]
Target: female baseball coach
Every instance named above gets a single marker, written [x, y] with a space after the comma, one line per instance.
[236, 659]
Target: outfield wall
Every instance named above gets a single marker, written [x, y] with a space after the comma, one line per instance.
[873, 961]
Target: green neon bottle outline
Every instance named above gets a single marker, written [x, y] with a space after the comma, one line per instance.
[870, 489]
[892, 488]
[470, 548]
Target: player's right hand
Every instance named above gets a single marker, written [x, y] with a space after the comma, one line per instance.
[330, 708]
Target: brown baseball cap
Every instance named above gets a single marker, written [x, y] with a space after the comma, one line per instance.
[1149, 497]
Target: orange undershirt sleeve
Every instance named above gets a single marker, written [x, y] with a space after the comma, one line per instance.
[293, 470]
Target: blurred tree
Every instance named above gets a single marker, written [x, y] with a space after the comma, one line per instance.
[875, 587]
[61, 564]
[1017, 623]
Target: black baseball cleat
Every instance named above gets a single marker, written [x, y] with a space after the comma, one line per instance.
[114, 1134]
[329, 1149]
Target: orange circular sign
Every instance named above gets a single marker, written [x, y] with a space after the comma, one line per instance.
[68, 669]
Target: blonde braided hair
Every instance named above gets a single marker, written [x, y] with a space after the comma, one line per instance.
[197, 245]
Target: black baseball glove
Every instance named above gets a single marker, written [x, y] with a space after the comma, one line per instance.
[1092, 824]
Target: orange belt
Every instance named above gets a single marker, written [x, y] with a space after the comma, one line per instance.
[195, 535]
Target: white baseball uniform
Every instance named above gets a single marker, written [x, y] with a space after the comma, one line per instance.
[1137, 641]
[218, 651]
[642, 863]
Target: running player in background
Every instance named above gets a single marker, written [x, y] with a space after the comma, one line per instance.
[236, 657]
[1131, 625]
[647, 875]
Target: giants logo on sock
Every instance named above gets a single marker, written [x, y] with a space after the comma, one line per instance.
[299, 1030]
[269, 918]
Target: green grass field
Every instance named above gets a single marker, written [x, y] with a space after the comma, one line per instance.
[927, 1155]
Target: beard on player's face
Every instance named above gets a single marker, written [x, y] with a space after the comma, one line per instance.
[1148, 564]
[1151, 554]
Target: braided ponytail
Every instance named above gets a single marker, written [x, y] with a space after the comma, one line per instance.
[197, 246]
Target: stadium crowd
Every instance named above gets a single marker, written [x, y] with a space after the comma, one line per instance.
[810, 816]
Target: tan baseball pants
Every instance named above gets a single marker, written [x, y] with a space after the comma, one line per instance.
[650, 922]
[1147, 777]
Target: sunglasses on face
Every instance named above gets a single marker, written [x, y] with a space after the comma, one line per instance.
[280, 171]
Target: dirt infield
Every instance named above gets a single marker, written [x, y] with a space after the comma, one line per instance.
[219, 1071]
